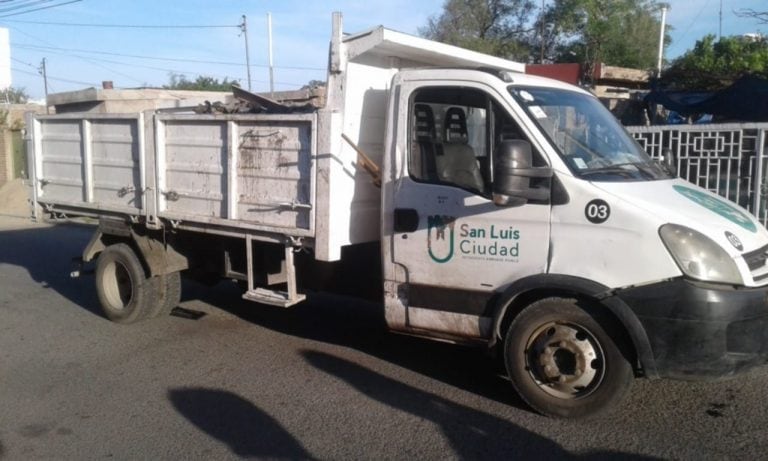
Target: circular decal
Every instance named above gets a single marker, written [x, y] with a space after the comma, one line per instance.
[734, 241]
[716, 205]
[597, 211]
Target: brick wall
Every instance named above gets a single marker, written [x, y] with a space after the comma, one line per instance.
[16, 113]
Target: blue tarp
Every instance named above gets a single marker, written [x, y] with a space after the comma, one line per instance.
[745, 100]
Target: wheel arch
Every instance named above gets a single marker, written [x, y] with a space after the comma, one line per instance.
[157, 256]
[525, 291]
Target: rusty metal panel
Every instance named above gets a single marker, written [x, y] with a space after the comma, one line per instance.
[274, 166]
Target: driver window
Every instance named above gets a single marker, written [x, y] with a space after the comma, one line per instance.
[453, 132]
[448, 142]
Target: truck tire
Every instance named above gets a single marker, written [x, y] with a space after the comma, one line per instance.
[565, 359]
[125, 293]
[170, 285]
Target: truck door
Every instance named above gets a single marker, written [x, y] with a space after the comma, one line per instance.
[457, 247]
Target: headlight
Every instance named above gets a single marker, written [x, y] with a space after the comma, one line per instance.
[698, 256]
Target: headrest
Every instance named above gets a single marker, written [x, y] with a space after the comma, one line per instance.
[424, 123]
[456, 126]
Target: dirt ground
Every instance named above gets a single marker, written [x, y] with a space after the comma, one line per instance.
[14, 199]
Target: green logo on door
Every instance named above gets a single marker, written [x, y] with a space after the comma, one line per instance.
[438, 225]
[721, 207]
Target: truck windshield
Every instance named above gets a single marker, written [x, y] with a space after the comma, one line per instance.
[588, 137]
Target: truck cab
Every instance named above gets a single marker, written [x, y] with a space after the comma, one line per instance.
[517, 212]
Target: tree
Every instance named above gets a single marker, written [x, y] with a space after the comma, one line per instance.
[616, 32]
[496, 27]
[201, 83]
[713, 64]
[313, 84]
[14, 95]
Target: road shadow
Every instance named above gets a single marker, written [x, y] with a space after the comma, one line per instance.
[360, 324]
[46, 253]
[471, 433]
[247, 430]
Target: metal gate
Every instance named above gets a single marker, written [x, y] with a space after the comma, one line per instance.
[729, 160]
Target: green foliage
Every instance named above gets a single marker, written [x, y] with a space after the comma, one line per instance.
[14, 95]
[713, 64]
[313, 84]
[201, 83]
[621, 33]
[496, 27]
[616, 32]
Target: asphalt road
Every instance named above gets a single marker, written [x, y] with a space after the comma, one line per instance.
[225, 378]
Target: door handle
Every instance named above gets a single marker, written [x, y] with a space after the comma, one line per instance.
[406, 220]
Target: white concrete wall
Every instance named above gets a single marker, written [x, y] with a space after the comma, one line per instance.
[5, 59]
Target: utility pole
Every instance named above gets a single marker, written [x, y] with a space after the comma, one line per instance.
[720, 30]
[541, 33]
[271, 68]
[244, 30]
[44, 73]
[661, 39]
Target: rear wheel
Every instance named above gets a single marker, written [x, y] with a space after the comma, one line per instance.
[170, 285]
[125, 293]
[565, 359]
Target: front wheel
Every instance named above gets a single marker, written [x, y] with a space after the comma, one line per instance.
[565, 359]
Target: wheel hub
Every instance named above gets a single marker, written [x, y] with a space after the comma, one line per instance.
[565, 360]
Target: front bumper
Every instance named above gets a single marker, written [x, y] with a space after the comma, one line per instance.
[700, 330]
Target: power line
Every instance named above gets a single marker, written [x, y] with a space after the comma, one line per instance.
[162, 69]
[127, 26]
[155, 58]
[65, 51]
[62, 52]
[696, 18]
[23, 62]
[19, 6]
[107, 53]
[79, 57]
[54, 78]
[41, 8]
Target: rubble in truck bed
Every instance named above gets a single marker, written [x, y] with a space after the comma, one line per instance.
[284, 102]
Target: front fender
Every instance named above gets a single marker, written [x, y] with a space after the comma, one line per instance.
[578, 287]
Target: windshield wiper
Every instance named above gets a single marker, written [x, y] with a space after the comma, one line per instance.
[619, 169]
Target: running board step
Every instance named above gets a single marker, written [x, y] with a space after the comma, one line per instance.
[273, 298]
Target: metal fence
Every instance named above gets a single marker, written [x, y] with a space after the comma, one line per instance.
[729, 160]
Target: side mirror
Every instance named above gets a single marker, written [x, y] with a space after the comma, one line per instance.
[513, 170]
[668, 161]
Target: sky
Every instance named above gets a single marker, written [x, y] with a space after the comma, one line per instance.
[80, 52]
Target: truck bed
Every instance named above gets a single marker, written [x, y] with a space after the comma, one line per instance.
[251, 172]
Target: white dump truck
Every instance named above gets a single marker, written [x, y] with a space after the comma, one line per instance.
[511, 211]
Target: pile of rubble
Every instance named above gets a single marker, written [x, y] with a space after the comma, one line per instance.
[284, 102]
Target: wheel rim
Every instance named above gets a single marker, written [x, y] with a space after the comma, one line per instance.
[565, 360]
[118, 285]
